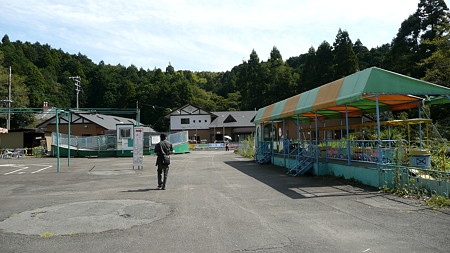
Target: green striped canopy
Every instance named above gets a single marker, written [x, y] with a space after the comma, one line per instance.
[355, 93]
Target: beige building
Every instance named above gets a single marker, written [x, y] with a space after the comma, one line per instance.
[207, 127]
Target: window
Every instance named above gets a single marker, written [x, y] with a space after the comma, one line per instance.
[194, 120]
[185, 121]
[125, 133]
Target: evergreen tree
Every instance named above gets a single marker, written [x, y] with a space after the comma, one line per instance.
[279, 79]
[324, 64]
[275, 57]
[438, 64]
[309, 78]
[169, 69]
[363, 54]
[407, 47]
[251, 81]
[345, 61]
[19, 98]
[5, 40]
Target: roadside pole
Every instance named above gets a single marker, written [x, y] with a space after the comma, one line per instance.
[57, 141]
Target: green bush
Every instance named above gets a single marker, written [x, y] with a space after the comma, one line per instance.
[247, 148]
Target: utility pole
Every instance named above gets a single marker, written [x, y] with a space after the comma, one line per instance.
[8, 124]
[138, 114]
[77, 81]
[8, 101]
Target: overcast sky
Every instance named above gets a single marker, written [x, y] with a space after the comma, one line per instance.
[206, 35]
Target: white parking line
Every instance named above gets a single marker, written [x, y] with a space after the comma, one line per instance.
[41, 169]
[24, 168]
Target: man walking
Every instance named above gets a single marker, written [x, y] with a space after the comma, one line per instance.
[163, 149]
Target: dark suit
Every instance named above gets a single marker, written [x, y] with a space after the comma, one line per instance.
[161, 149]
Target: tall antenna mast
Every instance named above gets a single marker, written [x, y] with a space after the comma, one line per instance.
[77, 81]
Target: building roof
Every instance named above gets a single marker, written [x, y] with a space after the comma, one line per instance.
[218, 119]
[233, 119]
[108, 122]
[27, 130]
[357, 93]
[188, 109]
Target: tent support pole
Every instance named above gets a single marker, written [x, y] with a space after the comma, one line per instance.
[299, 137]
[420, 128]
[380, 155]
[317, 144]
[349, 161]
[285, 149]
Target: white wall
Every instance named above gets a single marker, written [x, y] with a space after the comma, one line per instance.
[195, 122]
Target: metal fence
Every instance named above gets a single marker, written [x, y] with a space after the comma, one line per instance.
[388, 156]
[178, 138]
[412, 180]
[109, 142]
[369, 151]
[100, 143]
[103, 142]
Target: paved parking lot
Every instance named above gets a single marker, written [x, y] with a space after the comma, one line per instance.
[215, 201]
[22, 168]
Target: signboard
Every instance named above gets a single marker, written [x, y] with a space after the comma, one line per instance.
[216, 145]
[124, 137]
[138, 147]
[155, 139]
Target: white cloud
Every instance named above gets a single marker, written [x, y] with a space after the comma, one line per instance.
[198, 35]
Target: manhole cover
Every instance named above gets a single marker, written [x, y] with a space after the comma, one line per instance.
[85, 217]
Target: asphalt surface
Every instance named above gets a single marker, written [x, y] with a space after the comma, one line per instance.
[215, 201]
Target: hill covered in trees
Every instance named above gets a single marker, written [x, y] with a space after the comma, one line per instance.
[41, 73]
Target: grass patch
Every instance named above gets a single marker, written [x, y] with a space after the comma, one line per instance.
[46, 235]
[439, 201]
[435, 200]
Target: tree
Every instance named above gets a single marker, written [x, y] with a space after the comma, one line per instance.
[5, 40]
[169, 69]
[309, 71]
[363, 54]
[407, 47]
[438, 64]
[279, 79]
[129, 98]
[19, 97]
[377, 55]
[345, 60]
[324, 63]
[251, 83]
[275, 57]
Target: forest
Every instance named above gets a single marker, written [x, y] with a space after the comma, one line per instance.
[40, 73]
